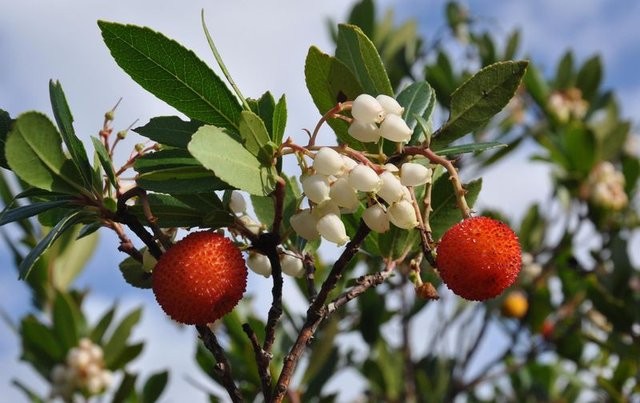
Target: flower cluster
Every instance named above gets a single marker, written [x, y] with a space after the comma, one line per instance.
[337, 184]
[83, 371]
[606, 187]
[568, 104]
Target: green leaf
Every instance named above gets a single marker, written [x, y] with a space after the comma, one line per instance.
[445, 210]
[29, 210]
[564, 72]
[536, 86]
[117, 343]
[279, 121]
[172, 73]
[154, 386]
[34, 153]
[479, 99]
[105, 160]
[470, 148]
[63, 116]
[40, 340]
[415, 99]
[69, 255]
[589, 77]
[97, 333]
[181, 210]
[126, 391]
[218, 151]
[169, 130]
[255, 137]
[45, 243]
[329, 82]
[363, 16]
[128, 354]
[67, 320]
[5, 126]
[264, 107]
[361, 57]
[134, 273]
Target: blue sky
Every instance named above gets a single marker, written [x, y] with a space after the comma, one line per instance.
[264, 47]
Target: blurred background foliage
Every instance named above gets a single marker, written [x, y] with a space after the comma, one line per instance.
[568, 330]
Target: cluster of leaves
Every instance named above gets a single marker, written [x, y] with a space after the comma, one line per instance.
[233, 142]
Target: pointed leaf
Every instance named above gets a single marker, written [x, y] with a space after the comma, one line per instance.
[154, 386]
[29, 210]
[255, 137]
[589, 77]
[27, 264]
[172, 73]
[470, 148]
[117, 343]
[264, 107]
[445, 210]
[279, 121]
[63, 116]
[98, 331]
[34, 153]
[218, 151]
[169, 130]
[66, 320]
[105, 160]
[361, 57]
[479, 99]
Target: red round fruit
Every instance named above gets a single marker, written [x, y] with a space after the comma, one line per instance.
[478, 258]
[200, 279]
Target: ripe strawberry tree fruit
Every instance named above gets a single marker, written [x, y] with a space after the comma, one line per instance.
[200, 279]
[478, 258]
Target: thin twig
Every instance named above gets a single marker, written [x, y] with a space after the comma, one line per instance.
[125, 217]
[223, 367]
[262, 360]
[316, 313]
[363, 283]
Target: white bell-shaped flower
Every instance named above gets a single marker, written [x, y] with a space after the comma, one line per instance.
[391, 188]
[349, 164]
[394, 128]
[332, 229]
[316, 187]
[259, 264]
[328, 162]
[403, 215]
[291, 265]
[391, 168]
[237, 204]
[304, 224]
[343, 194]
[324, 208]
[367, 109]
[390, 105]
[250, 224]
[413, 174]
[364, 132]
[376, 218]
[364, 179]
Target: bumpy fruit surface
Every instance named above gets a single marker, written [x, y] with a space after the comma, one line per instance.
[515, 305]
[200, 279]
[478, 258]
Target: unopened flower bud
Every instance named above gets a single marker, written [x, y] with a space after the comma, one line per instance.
[324, 208]
[364, 179]
[259, 264]
[250, 224]
[390, 105]
[376, 218]
[316, 187]
[367, 109]
[237, 204]
[343, 194]
[328, 162]
[403, 215]
[391, 168]
[412, 174]
[394, 128]
[85, 343]
[349, 163]
[332, 229]
[304, 224]
[291, 265]
[96, 353]
[106, 377]
[94, 385]
[365, 132]
[391, 188]
[78, 358]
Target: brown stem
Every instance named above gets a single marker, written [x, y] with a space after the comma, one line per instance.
[316, 313]
[125, 217]
[223, 367]
[363, 283]
[331, 113]
[279, 194]
[262, 359]
[310, 272]
[425, 234]
[141, 194]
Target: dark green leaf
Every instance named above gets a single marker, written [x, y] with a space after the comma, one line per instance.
[154, 386]
[263, 208]
[29, 210]
[105, 160]
[329, 82]
[363, 16]
[445, 210]
[97, 333]
[469, 148]
[169, 130]
[118, 339]
[5, 127]
[564, 72]
[479, 99]
[63, 116]
[34, 153]
[134, 273]
[38, 339]
[30, 393]
[264, 108]
[218, 151]
[279, 121]
[185, 180]
[27, 264]
[66, 320]
[512, 45]
[361, 57]
[536, 86]
[181, 210]
[415, 99]
[441, 77]
[589, 77]
[126, 391]
[172, 73]
[126, 355]
[255, 137]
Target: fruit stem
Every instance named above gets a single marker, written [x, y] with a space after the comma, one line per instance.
[425, 230]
